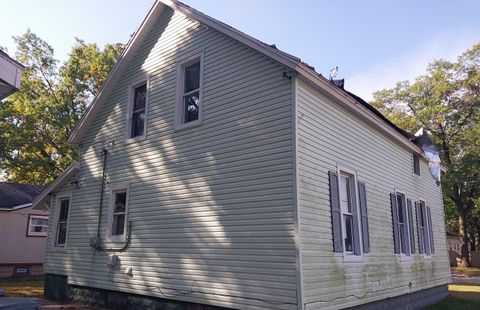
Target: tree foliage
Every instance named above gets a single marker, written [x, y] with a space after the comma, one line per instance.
[446, 102]
[36, 121]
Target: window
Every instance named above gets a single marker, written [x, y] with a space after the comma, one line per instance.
[62, 221]
[190, 87]
[424, 228]
[416, 164]
[349, 215]
[118, 213]
[346, 202]
[137, 110]
[402, 220]
[37, 225]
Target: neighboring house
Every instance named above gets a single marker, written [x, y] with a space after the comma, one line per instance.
[217, 170]
[455, 249]
[453, 241]
[23, 230]
[10, 75]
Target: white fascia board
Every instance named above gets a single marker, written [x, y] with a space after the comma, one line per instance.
[60, 180]
[115, 74]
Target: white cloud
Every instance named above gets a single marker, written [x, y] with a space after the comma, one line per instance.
[411, 65]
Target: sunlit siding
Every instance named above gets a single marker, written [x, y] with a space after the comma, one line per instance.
[329, 136]
[212, 206]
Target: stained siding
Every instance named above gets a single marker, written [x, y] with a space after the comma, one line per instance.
[329, 136]
[211, 206]
[15, 246]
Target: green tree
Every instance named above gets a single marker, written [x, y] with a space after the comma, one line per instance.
[36, 121]
[446, 102]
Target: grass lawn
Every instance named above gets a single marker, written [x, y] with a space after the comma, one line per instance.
[23, 286]
[463, 296]
[472, 271]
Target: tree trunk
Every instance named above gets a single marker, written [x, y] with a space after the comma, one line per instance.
[462, 223]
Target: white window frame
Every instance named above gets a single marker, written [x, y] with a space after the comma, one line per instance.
[179, 110]
[29, 225]
[426, 228]
[349, 257]
[404, 256]
[131, 97]
[57, 217]
[115, 188]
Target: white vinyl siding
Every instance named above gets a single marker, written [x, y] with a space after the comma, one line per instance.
[211, 208]
[328, 135]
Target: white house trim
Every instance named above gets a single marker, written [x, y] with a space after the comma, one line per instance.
[38, 202]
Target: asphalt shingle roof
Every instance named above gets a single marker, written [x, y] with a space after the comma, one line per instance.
[12, 195]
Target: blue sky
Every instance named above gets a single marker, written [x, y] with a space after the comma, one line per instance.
[374, 43]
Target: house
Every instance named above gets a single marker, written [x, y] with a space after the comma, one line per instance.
[23, 230]
[10, 75]
[454, 247]
[216, 171]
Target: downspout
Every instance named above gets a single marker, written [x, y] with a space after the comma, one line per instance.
[104, 153]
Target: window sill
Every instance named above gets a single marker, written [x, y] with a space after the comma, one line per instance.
[36, 236]
[427, 257]
[135, 139]
[58, 248]
[181, 127]
[406, 258]
[117, 239]
[352, 258]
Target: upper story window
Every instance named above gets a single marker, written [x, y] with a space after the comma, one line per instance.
[416, 164]
[62, 221]
[190, 92]
[137, 110]
[118, 211]
[349, 215]
[37, 225]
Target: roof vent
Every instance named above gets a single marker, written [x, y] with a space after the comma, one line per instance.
[339, 83]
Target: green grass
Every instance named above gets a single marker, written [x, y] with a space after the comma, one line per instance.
[23, 286]
[472, 271]
[455, 303]
[462, 296]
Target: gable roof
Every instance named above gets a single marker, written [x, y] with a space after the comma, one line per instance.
[302, 70]
[16, 196]
[38, 202]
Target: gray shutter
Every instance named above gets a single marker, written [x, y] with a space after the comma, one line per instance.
[421, 246]
[426, 239]
[396, 230]
[336, 213]
[357, 250]
[410, 224]
[362, 198]
[430, 230]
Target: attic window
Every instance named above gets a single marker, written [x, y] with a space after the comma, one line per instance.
[137, 110]
[189, 92]
[416, 164]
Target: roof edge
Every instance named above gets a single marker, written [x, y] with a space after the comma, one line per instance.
[123, 60]
[37, 202]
